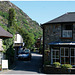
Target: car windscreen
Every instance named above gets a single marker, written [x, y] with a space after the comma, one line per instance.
[27, 51]
[22, 53]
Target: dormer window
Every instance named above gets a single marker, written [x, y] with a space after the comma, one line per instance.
[67, 31]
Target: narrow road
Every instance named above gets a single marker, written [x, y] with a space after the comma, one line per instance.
[27, 67]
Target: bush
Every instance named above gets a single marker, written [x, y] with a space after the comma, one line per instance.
[56, 64]
[66, 66]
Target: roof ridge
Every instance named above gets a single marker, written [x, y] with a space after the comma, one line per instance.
[56, 18]
[69, 12]
[67, 17]
[63, 14]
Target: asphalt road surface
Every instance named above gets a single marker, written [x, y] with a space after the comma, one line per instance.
[27, 67]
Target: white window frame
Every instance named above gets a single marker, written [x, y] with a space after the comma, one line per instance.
[52, 55]
[67, 33]
[64, 54]
[72, 56]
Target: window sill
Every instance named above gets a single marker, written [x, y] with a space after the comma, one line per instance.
[65, 37]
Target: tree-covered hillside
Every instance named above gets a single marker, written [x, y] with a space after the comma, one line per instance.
[29, 29]
[22, 19]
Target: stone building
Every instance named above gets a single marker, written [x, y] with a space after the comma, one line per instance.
[59, 39]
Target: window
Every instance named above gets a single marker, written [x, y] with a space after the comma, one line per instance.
[72, 57]
[64, 55]
[66, 52]
[67, 31]
[55, 54]
[62, 51]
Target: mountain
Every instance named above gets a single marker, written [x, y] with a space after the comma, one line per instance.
[23, 20]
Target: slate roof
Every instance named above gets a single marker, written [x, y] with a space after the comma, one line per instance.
[4, 33]
[68, 17]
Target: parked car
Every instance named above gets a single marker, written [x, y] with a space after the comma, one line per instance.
[27, 51]
[24, 56]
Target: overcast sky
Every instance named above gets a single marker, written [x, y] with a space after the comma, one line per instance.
[44, 11]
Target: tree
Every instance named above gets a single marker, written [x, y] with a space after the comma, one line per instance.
[11, 18]
[28, 38]
[8, 43]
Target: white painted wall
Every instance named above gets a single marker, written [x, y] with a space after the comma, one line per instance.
[1, 48]
[19, 39]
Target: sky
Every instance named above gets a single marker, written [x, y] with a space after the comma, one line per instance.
[44, 11]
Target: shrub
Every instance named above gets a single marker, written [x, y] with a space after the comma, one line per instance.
[66, 66]
[56, 64]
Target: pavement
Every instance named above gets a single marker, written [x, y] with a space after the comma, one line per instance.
[26, 67]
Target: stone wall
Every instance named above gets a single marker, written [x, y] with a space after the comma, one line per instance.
[52, 33]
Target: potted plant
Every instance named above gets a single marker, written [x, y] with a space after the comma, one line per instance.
[56, 64]
[66, 68]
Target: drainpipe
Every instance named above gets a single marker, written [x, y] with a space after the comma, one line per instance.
[43, 46]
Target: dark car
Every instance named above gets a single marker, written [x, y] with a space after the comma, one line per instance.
[24, 56]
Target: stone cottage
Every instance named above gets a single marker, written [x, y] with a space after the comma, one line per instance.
[59, 39]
